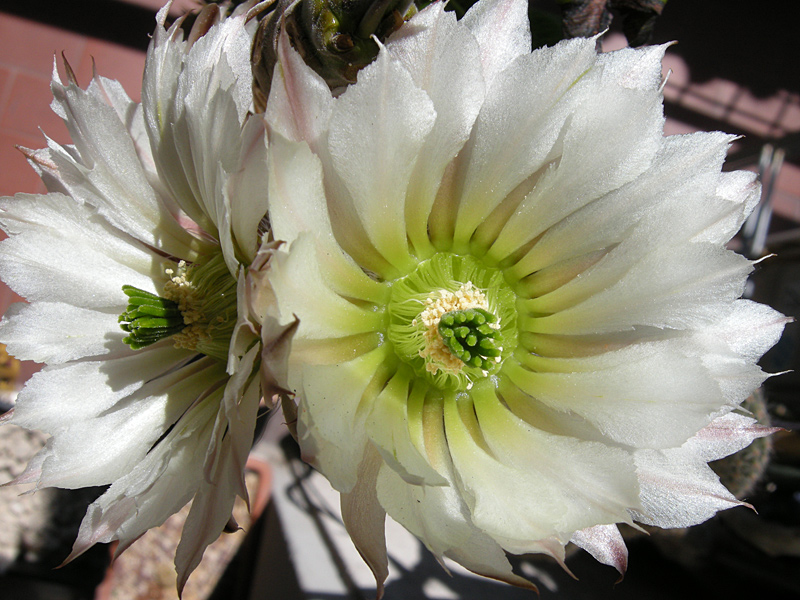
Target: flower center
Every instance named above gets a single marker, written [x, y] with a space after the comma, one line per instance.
[197, 310]
[453, 320]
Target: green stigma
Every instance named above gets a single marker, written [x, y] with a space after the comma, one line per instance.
[469, 335]
[149, 318]
[197, 311]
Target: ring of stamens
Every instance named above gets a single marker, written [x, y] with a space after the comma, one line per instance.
[466, 288]
[442, 351]
[198, 309]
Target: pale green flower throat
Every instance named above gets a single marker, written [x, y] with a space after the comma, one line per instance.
[453, 320]
[197, 309]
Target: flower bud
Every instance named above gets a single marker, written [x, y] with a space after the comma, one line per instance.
[336, 38]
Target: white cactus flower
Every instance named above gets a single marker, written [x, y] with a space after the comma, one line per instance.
[151, 225]
[519, 325]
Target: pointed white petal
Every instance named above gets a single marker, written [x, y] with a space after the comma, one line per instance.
[158, 486]
[443, 58]
[524, 485]
[126, 431]
[246, 189]
[62, 395]
[634, 68]
[225, 463]
[62, 251]
[297, 201]
[502, 30]
[364, 518]
[388, 428]
[678, 488]
[513, 140]
[638, 396]
[680, 181]
[104, 169]
[676, 287]
[605, 543]
[54, 333]
[738, 192]
[165, 57]
[300, 101]
[438, 515]
[377, 129]
[749, 329]
[195, 102]
[212, 103]
[131, 114]
[610, 137]
[330, 423]
[301, 290]
[725, 435]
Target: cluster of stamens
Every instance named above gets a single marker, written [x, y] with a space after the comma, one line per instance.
[180, 290]
[197, 309]
[467, 337]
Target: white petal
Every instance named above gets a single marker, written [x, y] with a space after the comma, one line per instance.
[634, 68]
[297, 201]
[524, 485]
[676, 287]
[300, 101]
[226, 457]
[301, 291]
[364, 518]
[62, 251]
[502, 30]
[233, 429]
[213, 96]
[513, 139]
[649, 395]
[605, 543]
[680, 182]
[247, 189]
[439, 516]
[165, 57]
[388, 427]
[749, 329]
[443, 58]
[62, 395]
[377, 129]
[131, 114]
[157, 487]
[725, 435]
[195, 102]
[126, 431]
[741, 192]
[611, 136]
[54, 333]
[104, 169]
[678, 488]
[330, 422]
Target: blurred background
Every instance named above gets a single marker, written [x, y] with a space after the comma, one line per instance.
[735, 67]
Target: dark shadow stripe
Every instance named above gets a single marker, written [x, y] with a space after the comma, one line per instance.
[118, 22]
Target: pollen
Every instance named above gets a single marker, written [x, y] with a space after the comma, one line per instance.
[197, 310]
[435, 351]
[180, 290]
